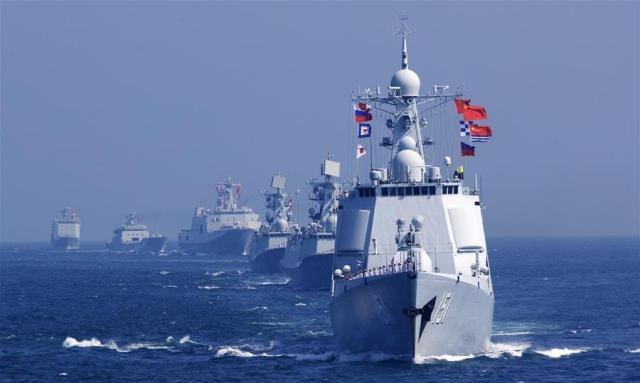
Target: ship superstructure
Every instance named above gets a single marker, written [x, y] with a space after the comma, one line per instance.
[65, 230]
[135, 237]
[308, 255]
[412, 272]
[271, 240]
[227, 229]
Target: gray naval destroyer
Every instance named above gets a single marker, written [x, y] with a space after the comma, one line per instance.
[412, 270]
[271, 240]
[308, 256]
[134, 237]
[65, 230]
[226, 230]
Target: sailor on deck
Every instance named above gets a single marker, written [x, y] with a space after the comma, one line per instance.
[459, 173]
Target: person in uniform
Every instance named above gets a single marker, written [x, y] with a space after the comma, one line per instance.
[459, 173]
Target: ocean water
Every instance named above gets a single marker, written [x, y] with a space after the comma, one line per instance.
[567, 310]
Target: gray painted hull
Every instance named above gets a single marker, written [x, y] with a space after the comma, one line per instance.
[154, 245]
[313, 273]
[375, 316]
[65, 244]
[229, 242]
[267, 262]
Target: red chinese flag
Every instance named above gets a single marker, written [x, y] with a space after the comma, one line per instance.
[470, 112]
[461, 104]
[480, 130]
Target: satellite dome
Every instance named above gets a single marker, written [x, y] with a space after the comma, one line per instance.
[408, 166]
[408, 82]
[406, 142]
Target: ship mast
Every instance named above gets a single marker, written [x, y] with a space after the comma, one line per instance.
[401, 106]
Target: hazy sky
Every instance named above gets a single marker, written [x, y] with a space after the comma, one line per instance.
[145, 106]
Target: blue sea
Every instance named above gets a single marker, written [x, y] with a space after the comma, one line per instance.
[567, 310]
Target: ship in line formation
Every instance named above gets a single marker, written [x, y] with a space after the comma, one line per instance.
[404, 256]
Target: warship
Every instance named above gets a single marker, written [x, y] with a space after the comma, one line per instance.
[133, 237]
[412, 274]
[225, 230]
[308, 256]
[65, 230]
[273, 235]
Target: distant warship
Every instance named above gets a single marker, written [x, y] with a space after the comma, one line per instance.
[271, 239]
[308, 255]
[412, 271]
[65, 230]
[227, 229]
[133, 237]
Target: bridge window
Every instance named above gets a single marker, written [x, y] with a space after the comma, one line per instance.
[408, 190]
[400, 192]
[392, 192]
[385, 192]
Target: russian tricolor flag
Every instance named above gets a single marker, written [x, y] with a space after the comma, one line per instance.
[363, 112]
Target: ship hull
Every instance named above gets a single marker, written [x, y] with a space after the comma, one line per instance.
[155, 245]
[409, 314]
[267, 261]
[223, 242]
[313, 273]
[65, 243]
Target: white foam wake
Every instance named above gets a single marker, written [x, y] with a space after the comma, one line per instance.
[247, 351]
[442, 358]
[634, 351]
[560, 352]
[498, 350]
[111, 345]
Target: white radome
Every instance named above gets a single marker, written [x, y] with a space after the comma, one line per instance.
[406, 142]
[408, 163]
[408, 82]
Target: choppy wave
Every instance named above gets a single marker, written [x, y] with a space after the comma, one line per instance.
[300, 304]
[184, 340]
[560, 352]
[70, 342]
[258, 308]
[512, 333]
[164, 272]
[580, 330]
[634, 351]
[318, 333]
[209, 287]
[169, 286]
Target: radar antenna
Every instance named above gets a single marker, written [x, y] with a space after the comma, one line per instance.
[404, 31]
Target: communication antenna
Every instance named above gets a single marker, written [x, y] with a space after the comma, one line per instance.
[404, 31]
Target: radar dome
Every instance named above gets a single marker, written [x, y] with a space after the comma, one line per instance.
[406, 142]
[408, 166]
[408, 82]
